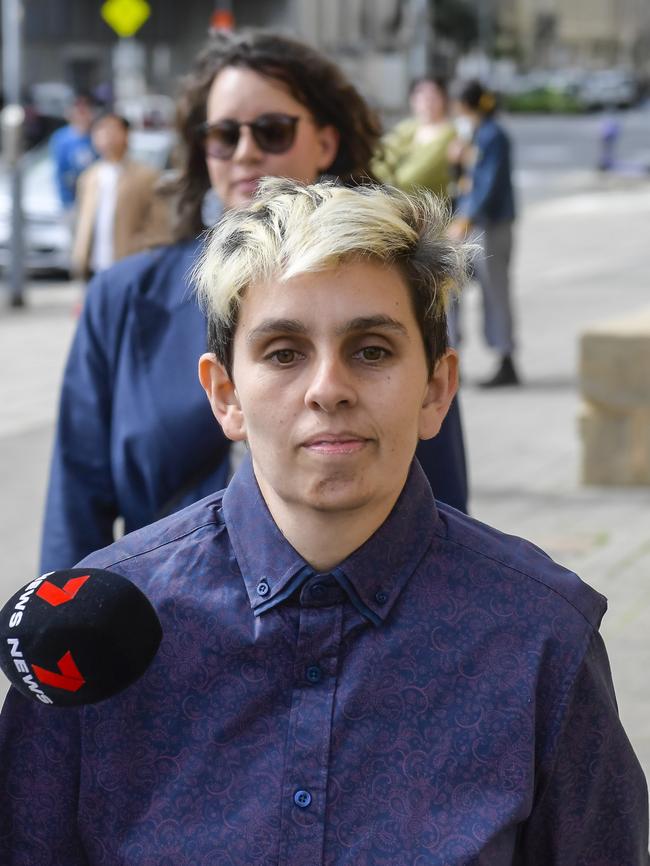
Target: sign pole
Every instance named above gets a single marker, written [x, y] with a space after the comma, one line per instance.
[125, 18]
[13, 120]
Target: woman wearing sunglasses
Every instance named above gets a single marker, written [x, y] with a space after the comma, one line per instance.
[136, 439]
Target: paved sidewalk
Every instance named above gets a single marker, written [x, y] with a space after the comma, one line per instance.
[580, 259]
[33, 346]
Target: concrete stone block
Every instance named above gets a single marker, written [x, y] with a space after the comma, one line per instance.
[615, 445]
[615, 414]
[615, 361]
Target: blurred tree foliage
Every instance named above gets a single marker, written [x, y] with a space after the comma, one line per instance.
[456, 20]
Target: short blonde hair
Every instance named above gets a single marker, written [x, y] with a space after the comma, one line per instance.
[292, 228]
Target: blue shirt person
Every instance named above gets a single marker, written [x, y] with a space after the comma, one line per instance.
[349, 672]
[72, 150]
[486, 206]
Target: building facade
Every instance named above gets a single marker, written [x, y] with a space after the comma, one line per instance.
[591, 34]
[380, 43]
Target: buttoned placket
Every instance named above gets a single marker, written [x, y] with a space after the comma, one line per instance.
[304, 788]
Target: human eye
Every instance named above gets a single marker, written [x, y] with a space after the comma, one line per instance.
[373, 354]
[282, 357]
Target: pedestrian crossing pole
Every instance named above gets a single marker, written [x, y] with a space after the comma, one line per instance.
[13, 121]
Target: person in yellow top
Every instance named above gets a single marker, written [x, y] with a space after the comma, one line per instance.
[414, 153]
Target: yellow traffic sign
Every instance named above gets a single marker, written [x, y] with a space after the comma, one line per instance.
[126, 17]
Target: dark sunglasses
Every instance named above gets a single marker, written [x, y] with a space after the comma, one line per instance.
[272, 133]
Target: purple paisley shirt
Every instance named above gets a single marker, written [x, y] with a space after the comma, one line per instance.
[442, 697]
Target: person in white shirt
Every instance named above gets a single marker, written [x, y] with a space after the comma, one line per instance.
[119, 211]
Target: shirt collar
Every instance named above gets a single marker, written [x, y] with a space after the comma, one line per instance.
[373, 575]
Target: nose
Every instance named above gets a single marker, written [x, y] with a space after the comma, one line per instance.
[331, 386]
[247, 149]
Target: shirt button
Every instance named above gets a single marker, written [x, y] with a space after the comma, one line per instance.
[381, 597]
[262, 588]
[302, 799]
[318, 590]
[314, 674]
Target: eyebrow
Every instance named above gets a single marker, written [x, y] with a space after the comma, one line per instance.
[295, 326]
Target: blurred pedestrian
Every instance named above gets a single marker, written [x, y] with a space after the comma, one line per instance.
[135, 438]
[610, 133]
[72, 148]
[118, 210]
[414, 153]
[485, 210]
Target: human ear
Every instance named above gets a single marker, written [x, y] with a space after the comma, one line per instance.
[440, 391]
[328, 141]
[221, 393]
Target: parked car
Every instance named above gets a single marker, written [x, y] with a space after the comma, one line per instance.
[148, 111]
[46, 108]
[608, 88]
[47, 228]
[152, 146]
[47, 232]
[52, 98]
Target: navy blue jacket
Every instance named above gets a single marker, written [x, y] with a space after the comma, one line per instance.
[136, 437]
[491, 198]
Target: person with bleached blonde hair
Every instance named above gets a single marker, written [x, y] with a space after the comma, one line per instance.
[293, 230]
[351, 673]
[135, 438]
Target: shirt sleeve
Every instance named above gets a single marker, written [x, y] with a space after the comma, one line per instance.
[39, 784]
[153, 226]
[591, 804]
[81, 502]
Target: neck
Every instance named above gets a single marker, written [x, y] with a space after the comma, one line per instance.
[325, 538]
[431, 120]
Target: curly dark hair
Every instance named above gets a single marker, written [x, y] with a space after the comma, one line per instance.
[312, 80]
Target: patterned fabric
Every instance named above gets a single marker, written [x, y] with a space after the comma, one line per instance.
[442, 697]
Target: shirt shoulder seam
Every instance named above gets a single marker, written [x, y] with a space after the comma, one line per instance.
[163, 543]
[528, 575]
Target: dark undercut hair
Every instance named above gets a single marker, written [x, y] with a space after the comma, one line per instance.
[291, 228]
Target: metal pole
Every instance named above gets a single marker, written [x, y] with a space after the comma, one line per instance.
[13, 119]
[485, 34]
[419, 31]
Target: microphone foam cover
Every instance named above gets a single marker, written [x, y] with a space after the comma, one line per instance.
[77, 636]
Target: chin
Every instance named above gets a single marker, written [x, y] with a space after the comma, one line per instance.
[331, 496]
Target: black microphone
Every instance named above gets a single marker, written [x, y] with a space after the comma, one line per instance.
[77, 636]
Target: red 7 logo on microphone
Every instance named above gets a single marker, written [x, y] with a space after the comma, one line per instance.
[56, 595]
[69, 678]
